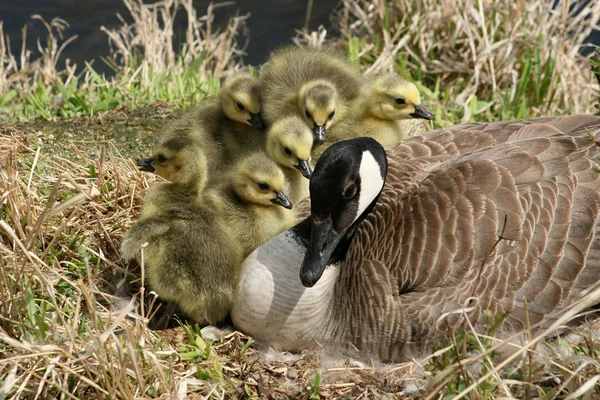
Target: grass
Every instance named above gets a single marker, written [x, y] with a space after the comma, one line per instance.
[596, 71]
[479, 59]
[65, 332]
[147, 65]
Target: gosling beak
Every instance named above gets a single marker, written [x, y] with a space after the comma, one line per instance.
[256, 121]
[304, 168]
[282, 200]
[322, 243]
[421, 112]
[319, 134]
[145, 164]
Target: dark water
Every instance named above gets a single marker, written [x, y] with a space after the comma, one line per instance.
[271, 23]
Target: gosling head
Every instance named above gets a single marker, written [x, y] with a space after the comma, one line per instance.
[391, 97]
[289, 144]
[180, 161]
[318, 102]
[240, 95]
[345, 187]
[258, 180]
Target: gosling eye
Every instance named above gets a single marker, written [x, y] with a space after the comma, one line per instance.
[161, 158]
[400, 100]
[349, 191]
[239, 106]
[308, 114]
[287, 151]
[263, 186]
[331, 115]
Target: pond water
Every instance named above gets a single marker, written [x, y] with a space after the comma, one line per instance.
[269, 25]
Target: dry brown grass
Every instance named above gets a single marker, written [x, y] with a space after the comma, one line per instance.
[22, 72]
[149, 40]
[478, 48]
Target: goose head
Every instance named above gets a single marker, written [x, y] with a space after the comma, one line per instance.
[344, 188]
[258, 180]
[391, 97]
[240, 96]
[180, 161]
[289, 144]
[318, 102]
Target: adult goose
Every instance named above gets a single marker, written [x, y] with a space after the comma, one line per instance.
[503, 213]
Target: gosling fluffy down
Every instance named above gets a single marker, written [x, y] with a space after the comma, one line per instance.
[255, 204]
[225, 128]
[385, 110]
[314, 84]
[289, 144]
[199, 273]
[239, 126]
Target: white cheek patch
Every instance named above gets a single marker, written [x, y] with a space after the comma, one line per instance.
[371, 181]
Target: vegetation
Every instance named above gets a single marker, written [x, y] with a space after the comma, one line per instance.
[65, 332]
[147, 66]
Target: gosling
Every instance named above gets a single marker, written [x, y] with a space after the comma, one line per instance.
[315, 84]
[387, 101]
[255, 203]
[192, 256]
[226, 127]
[289, 144]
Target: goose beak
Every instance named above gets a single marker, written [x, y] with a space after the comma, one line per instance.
[319, 134]
[304, 168]
[282, 200]
[145, 164]
[421, 112]
[322, 243]
[256, 121]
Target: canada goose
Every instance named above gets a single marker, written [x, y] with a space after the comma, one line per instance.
[255, 204]
[192, 257]
[316, 84]
[505, 213]
[289, 143]
[230, 124]
[380, 111]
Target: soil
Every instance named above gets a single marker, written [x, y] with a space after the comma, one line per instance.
[133, 133]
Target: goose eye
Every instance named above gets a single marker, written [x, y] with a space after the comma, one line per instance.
[349, 191]
[308, 114]
[400, 100]
[161, 158]
[263, 186]
[331, 114]
[287, 151]
[239, 106]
